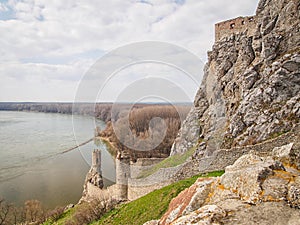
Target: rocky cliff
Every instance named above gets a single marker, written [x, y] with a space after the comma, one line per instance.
[254, 190]
[251, 87]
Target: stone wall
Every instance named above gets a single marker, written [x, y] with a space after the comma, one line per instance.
[140, 187]
[225, 157]
[135, 192]
[136, 188]
[116, 191]
[142, 164]
[233, 26]
[222, 158]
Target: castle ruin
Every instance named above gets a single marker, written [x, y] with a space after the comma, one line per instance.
[234, 26]
[128, 185]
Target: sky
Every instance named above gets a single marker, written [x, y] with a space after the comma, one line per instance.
[48, 47]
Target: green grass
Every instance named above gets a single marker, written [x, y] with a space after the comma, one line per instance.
[63, 218]
[149, 207]
[171, 161]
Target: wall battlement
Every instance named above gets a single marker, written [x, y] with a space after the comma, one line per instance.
[234, 26]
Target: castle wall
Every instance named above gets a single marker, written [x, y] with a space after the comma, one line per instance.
[225, 157]
[140, 187]
[135, 192]
[142, 164]
[222, 158]
[234, 26]
[116, 191]
[218, 161]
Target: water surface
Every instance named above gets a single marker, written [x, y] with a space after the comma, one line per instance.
[31, 166]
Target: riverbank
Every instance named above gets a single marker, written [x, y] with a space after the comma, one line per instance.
[111, 147]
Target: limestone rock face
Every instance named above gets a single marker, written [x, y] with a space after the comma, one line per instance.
[254, 190]
[251, 87]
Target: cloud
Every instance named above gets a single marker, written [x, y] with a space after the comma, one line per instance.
[45, 38]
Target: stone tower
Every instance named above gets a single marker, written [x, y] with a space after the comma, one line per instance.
[122, 174]
[96, 161]
[94, 176]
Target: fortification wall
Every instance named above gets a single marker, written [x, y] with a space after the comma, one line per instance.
[142, 164]
[135, 192]
[234, 26]
[140, 187]
[147, 161]
[137, 188]
[225, 157]
[116, 191]
[222, 158]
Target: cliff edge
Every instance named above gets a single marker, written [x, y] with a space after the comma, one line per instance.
[251, 87]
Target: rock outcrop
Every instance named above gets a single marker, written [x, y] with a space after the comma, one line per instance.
[254, 190]
[251, 87]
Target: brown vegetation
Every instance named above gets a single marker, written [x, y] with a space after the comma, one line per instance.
[139, 129]
[31, 213]
[91, 211]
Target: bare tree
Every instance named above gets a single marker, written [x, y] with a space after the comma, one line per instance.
[4, 211]
[34, 211]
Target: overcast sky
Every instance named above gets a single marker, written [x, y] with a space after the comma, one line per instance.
[46, 46]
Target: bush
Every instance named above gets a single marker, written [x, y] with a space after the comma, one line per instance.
[90, 211]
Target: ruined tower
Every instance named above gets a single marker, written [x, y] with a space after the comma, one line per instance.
[122, 174]
[234, 26]
[96, 161]
[94, 176]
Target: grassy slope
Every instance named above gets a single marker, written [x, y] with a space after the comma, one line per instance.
[151, 206]
[63, 219]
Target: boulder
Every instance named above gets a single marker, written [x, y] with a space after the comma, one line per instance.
[188, 200]
[206, 215]
[246, 176]
[254, 190]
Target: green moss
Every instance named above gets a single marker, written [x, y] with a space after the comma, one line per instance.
[276, 134]
[151, 206]
[171, 161]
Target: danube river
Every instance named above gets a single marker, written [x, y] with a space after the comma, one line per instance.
[32, 165]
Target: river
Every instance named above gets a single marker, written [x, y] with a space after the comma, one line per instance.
[32, 165]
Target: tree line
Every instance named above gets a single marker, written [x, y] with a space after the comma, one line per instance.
[33, 212]
[144, 129]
